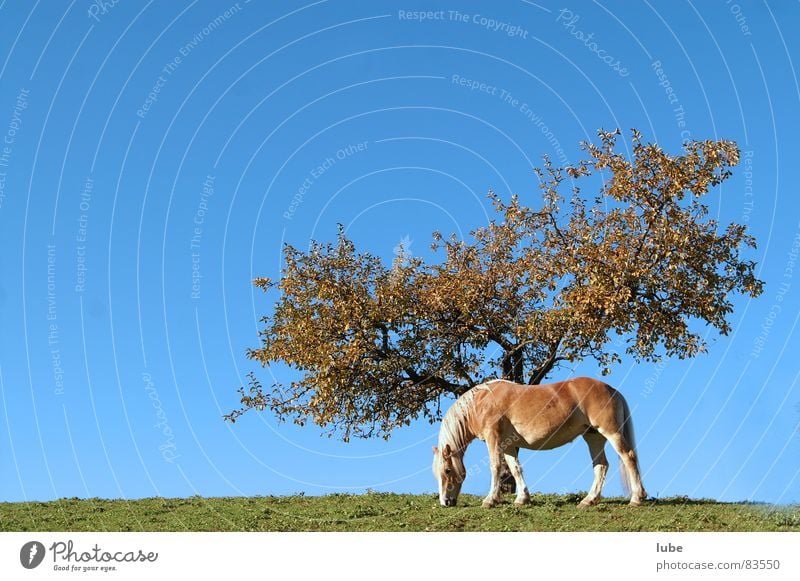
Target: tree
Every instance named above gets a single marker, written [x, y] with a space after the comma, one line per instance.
[640, 266]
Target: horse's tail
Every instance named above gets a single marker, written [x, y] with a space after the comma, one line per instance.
[626, 422]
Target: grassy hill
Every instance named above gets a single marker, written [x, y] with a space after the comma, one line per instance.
[390, 512]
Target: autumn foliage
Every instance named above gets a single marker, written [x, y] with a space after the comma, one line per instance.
[638, 269]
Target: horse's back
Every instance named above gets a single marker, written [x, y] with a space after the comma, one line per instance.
[581, 391]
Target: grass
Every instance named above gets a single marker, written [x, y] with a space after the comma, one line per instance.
[390, 512]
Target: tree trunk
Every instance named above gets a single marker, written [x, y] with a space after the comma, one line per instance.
[507, 483]
[513, 370]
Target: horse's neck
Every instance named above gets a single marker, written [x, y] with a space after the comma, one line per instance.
[458, 444]
[457, 433]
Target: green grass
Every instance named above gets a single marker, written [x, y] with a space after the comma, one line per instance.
[390, 512]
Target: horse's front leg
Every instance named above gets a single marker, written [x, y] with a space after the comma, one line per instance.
[495, 460]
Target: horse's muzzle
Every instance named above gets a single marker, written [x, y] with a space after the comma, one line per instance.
[449, 502]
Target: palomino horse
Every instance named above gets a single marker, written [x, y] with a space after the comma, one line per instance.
[509, 416]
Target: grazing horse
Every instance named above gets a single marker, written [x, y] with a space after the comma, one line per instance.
[509, 416]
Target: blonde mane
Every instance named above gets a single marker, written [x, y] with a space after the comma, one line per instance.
[455, 425]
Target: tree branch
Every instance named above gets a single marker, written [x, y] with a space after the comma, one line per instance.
[540, 372]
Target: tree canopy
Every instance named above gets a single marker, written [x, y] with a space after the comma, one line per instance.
[637, 269]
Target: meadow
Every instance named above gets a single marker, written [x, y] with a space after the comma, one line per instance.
[391, 512]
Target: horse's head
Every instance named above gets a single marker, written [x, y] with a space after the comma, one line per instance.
[448, 468]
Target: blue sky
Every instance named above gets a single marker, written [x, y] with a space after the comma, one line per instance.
[156, 156]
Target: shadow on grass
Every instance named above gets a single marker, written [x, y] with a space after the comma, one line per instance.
[572, 499]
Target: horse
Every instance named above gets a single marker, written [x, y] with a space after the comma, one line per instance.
[509, 416]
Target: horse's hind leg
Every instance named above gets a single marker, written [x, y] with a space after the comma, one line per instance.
[597, 444]
[631, 467]
[523, 496]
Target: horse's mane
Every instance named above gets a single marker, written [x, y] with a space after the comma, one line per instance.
[455, 425]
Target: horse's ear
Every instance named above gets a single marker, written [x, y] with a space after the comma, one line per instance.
[435, 450]
[447, 451]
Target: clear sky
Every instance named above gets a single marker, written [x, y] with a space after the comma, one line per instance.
[156, 156]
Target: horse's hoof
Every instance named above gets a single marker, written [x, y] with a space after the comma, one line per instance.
[522, 501]
[586, 503]
[488, 503]
[635, 502]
